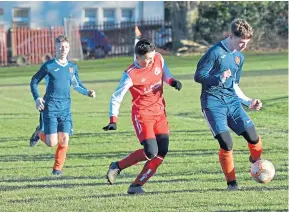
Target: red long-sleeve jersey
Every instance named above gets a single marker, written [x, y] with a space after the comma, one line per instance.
[145, 86]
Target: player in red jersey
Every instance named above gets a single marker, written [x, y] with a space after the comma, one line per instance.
[144, 79]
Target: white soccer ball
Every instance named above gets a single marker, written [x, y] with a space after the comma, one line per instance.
[262, 171]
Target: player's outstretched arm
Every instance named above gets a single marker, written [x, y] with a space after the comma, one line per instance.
[168, 77]
[116, 99]
[79, 87]
[77, 84]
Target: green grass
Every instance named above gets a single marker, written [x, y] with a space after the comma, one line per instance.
[111, 69]
[190, 178]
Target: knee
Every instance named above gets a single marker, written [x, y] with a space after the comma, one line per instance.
[150, 148]
[254, 140]
[225, 141]
[63, 139]
[250, 135]
[163, 144]
[50, 141]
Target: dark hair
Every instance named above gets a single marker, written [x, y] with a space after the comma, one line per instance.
[61, 38]
[240, 28]
[143, 46]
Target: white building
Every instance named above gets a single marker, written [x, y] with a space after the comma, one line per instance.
[36, 14]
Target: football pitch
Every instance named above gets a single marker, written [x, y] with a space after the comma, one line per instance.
[190, 178]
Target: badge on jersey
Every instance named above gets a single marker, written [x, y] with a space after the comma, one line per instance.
[157, 71]
[71, 70]
[237, 60]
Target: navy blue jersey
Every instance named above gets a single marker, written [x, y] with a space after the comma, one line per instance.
[209, 73]
[60, 78]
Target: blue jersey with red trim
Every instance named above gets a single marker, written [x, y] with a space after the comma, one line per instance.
[209, 73]
[61, 77]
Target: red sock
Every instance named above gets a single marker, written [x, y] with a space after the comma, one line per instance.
[227, 163]
[132, 158]
[60, 156]
[148, 170]
[256, 150]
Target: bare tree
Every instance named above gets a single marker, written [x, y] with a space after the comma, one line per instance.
[183, 17]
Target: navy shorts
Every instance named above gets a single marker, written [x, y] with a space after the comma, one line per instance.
[223, 117]
[54, 122]
[41, 124]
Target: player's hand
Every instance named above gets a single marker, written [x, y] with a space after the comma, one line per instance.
[256, 104]
[39, 103]
[111, 126]
[91, 93]
[176, 84]
[226, 74]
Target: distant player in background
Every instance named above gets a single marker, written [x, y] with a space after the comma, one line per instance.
[144, 79]
[219, 72]
[55, 106]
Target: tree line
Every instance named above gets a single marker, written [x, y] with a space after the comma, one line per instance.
[210, 21]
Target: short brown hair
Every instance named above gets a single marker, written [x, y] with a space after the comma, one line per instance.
[61, 38]
[241, 28]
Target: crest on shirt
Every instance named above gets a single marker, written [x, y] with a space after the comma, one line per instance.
[71, 70]
[157, 71]
[237, 60]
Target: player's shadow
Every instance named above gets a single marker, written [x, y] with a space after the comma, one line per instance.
[50, 185]
[189, 115]
[13, 139]
[123, 176]
[120, 154]
[183, 177]
[180, 77]
[48, 167]
[132, 133]
[198, 152]
[63, 198]
[102, 134]
[273, 100]
[122, 180]
[72, 185]
[94, 155]
[255, 210]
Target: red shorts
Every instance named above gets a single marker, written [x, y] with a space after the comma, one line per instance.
[147, 126]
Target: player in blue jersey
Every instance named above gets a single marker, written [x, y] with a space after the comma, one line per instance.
[219, 72]
[39, 131]
[56, 103]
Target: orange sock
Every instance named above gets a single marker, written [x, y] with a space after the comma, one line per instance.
[227, 163]
[148, 170]
[60, 156]
[42, 136]
[256, 150]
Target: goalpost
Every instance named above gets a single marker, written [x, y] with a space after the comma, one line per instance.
[71, 29]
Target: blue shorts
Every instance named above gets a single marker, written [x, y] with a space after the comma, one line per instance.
[54, 122]
[231, 116]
